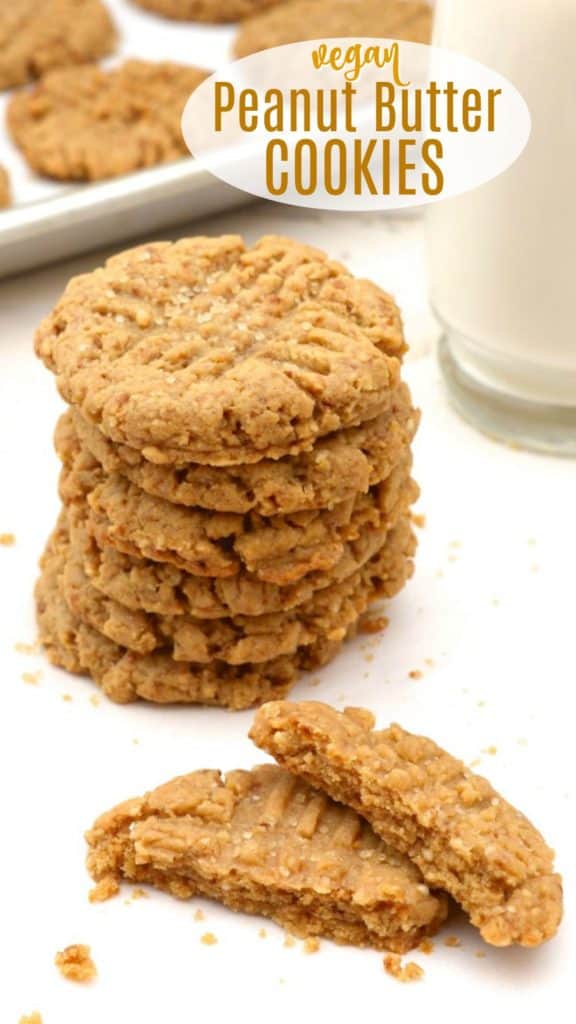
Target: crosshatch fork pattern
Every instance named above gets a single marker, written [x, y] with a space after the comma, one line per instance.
[225, 354]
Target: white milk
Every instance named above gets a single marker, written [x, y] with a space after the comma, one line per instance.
[502, 259]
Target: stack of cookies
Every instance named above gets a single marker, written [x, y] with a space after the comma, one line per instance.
[236, 483]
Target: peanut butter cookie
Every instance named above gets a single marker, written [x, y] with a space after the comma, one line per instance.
[86, 124]
[329, 613]
[340, 466]
[206, 10]
[125, 676]
[35, 38]
[281, 549]
[204, 350]
[5, 193]
[143, 585]
[300, 20]
[451, 823]
[264, 842]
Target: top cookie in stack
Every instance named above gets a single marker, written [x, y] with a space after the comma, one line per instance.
[236, 478]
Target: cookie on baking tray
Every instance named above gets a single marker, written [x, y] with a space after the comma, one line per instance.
[206, 10]
[87, 124]
[299, 20]
[38, 37]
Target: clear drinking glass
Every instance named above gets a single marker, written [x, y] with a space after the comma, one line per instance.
[502, 258]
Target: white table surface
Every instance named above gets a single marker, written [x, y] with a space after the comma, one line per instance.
[488, 619]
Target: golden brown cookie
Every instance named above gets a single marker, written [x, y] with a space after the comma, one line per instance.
[329, 613]
[143, 585]
[281, 549]
[340, 466]
[264, 842]
[300, 20]
[204, 350]
[5, 192]
[303, 19]
[125, 676]
[36, 37]
[454, 826]
[86, 124]
[206, 10]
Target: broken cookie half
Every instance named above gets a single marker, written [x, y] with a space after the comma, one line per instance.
[265, 842]
[463, 836]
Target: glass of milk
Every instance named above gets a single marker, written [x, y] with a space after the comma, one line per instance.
[502, 258]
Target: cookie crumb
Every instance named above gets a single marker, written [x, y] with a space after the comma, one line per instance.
[426, 946]
[402, 972]
[7, 540]
[139, 894]
[419, 520]
[105, 889]
[368, 657]
[75, 963]
[95, 700]
[315, 681]
[490, 750]
[262, 933]
[32, 678]
[312, 945]
[23, 648]
[480, 954]
[415, 673]
[452, 941]
[373, 625]
[67, 697]
[199, 915]
[135, 741]
[31, 1018]
[429, 662]
[209, 939]
[289, 941]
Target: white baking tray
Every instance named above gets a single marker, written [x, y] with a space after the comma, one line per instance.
[50, 220]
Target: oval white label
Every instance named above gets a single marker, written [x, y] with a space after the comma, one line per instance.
[351, 124]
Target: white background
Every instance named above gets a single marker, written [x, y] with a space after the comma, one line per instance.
[491, 606]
